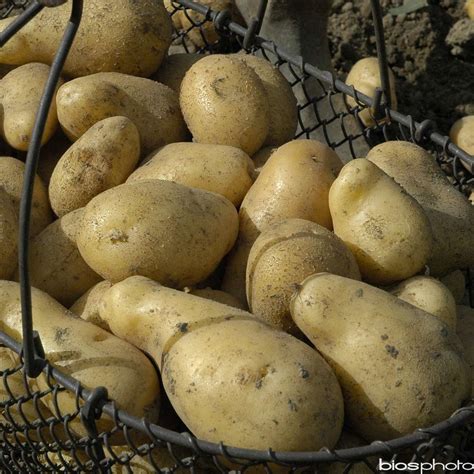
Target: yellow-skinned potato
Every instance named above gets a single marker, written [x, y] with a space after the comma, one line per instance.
[176, 15]
[365, 77]
[174, 68]
[450, 213]
[20, 94]
[85, 352]
[11, 180]
[100, 159]
[384, 227]
[469, 7]
[8, 236]
[224, 103]
[152, 107]
[462, 132]
[128, 36]
[399, 367]
[430, 295]
[456, 283]
[229, 376]
[56, 266]
[282, 257]
[220, 169]
[169, 232]
[218, 296]
[282, 101]
[465, 331]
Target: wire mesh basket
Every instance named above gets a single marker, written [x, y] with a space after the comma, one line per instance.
[36, 435]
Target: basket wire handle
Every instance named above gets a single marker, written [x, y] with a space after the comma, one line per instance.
[32, 352]
[20, 21]
[254, 25]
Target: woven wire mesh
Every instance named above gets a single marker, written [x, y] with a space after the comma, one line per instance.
[38, 435]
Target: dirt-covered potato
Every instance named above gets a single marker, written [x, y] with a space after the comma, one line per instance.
[456, 283]
[229, 376]
[384, 227]
[282, 257]
[128, 36]
[218, 296]
[100, 159]
[20, 94]
[11, 180]
[365, 77]
[221, 169]
[152, 107]
[450, 213]
[399, 367]
[174, 68]
[224, 103]
[8, 236]
[160, 229]
[462, 132]
[465, 331]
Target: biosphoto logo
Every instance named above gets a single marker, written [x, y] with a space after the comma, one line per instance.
[432, 466]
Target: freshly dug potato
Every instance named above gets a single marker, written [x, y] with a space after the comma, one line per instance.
[224, 103]
[462, 132]
[261, 157]
[282, 101]
[174, 68]
[85, 352]
[450, 213]
[430, 295]
[469, 6]
[221, 169]
[11, 180]
[285, 254]
[365, 77]
[465, 331]
[385, 228]
[399, 367]
[101, 159]
[8, 236]
[229, 376]
[218, 296]
[456, 283]
[128, 36]
[87, 306]
[56, 266]
[152, 107]
[169, 232]
[20, 94]
[50, 155]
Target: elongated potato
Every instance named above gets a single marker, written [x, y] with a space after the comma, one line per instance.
[456, 283]
[221, 169]
[399, 367]
[218, 296]
[128, 36]
[174, 68]
[11, 180]
[224, 103]
[385, 228]
[465, 331]
[169, 232]
[102, 158]
[450, 213]
[282, 257]
[152, 107]
[8, 236]
[229, 376]
[20, 94]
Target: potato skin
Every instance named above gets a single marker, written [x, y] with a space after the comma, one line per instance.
[386, 229]
[218, 296]
[282, 257]
[169, 232]
[465, 331]
[462, 131]
[152, 107]
[174, 68]
[20, 94]
[8, 236]
[221, 169]
[224, 103]
[102, 158]
[261, 157]
[399, 367]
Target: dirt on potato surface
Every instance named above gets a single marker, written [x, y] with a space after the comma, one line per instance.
[431, 52]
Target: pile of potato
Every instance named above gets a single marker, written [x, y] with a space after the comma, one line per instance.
[280, 305]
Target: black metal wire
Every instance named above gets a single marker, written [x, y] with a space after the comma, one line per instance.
[19, 22]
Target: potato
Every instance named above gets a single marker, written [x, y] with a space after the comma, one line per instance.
[465, 331]
[8, 236]
[430, 295]
[261, 157]
[169, 232]
[50, 155]
[385, 228]
[174, 68]
[450, 213]
[174, 12]
[469, 7]
[399, 367]
[456, 283]
[218, 296]
[21, 91]
[462, 132]
[282, 101]
[365, 77]
[221, 169]
[56, 266]
[11, 180]
[230, 377]
[85, 352]
[128, 36]
[224, 103]
[101, 159]
[282, 257]
[152, 107]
